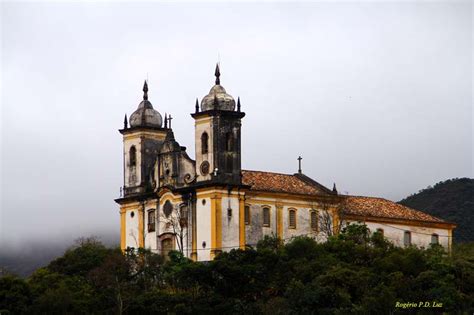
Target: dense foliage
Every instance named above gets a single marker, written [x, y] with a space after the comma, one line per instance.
[451, 200]
[353, 273]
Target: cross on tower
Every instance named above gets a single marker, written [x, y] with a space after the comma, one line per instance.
[169, 120]
[299, 164]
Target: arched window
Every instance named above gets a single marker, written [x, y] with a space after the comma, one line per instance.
[167, 208]
[204, 143]
[314, 220]
[133, 156]
[266, 216]
[247, 214]
[151, 220]
[434, 238]
[229, 142]
[183, 216]
[407, 238]
[229, 165]
[292, 218]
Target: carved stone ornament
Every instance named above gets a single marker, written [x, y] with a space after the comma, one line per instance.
[205, 168]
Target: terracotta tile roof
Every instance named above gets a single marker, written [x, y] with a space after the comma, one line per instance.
[275, 182]
[352, 205]
[382, 208]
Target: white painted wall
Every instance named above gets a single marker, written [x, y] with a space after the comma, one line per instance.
[255, 231]
[127, 144]
[203, 221]
[199, 129]
[303, 223]
[420, 236]
[131, 228]
[230, 224]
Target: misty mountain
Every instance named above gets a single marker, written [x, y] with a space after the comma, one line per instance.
[451, 200]
[25, 258]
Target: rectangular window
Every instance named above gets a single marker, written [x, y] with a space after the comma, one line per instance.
[292, 218]
[434, 239]
[407, 238]
[247, 214]
[266, 216]
[151, 221]
[314, 220]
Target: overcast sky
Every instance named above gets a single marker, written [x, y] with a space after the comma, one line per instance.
[376, 97]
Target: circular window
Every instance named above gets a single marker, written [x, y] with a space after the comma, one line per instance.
[205, 168]
[203, 202]
[167, 208]
[132, 214]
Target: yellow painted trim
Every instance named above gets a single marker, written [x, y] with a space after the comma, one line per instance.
[450, 240]
[308, 198]
[194, 234]
[213, 191]
[279, 219]
[219, 223]
[216, 224]
[158, 135]
[123, 217]
[242, 222]
[308, 204]
[336, 222]
[440, 225]
[129, 206]
[202, 121]
[141, 236]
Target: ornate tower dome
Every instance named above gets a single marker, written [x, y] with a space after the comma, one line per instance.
[218, 99]
[145, 115]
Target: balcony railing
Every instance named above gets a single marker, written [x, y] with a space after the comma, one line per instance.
[133, 190]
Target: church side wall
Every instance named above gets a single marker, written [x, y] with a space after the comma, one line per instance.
[255, 231]
[230, 223]
[131, 228]
[420, 236]
[303, 223]
[203, 222]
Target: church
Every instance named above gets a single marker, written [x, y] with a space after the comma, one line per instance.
[209, 204]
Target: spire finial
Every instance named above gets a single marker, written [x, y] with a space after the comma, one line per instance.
[125, 122]
[217, 73]
[299, 164]
[145, 91]
[334, 189]
[166, 121]
[238, 104]
[197, 105]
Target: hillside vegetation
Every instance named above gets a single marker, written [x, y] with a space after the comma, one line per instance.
[353, 273]
[451, 200]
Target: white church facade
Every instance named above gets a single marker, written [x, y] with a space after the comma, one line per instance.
[208, 204]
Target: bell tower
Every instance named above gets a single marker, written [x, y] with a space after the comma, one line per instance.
[218, 136]
[142, 140]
